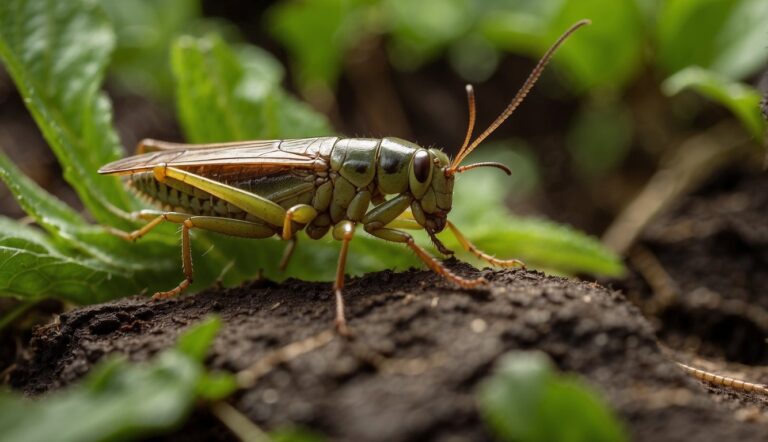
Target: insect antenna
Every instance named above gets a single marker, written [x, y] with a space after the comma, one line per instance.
[519, 97]
[472, 114]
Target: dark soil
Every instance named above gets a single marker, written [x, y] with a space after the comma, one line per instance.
[713, 251]
[420, 348]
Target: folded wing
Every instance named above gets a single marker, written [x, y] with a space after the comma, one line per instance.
[305, 153]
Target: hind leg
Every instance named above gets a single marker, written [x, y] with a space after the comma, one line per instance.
[188, 222]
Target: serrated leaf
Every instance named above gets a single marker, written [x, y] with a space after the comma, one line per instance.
[68, 227]
[525, 400]
[116, 401]
[31, 267]
[58, 72]
[739, 98]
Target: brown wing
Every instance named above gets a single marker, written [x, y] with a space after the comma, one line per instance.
[304, 153]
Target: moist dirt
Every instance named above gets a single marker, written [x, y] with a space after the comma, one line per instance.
[703, 272]
[419, 350]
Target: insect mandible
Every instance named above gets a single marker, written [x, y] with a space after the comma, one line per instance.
[259, 189]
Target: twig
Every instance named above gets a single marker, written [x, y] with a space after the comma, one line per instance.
[247, 378]
[238, 423]
[695, 160]
[662, 284]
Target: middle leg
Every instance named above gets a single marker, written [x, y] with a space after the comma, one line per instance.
[471, 248]
[431, 262]
[344, 231]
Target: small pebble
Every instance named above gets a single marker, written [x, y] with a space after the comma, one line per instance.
[478, 325]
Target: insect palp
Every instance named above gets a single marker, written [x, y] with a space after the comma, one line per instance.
[501, 166]
[439, 244]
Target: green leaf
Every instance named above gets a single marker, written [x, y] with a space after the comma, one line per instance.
[599, 138]
[216, 386]
[58, 72]
[144, 31]
[44, 208]
[116, 401]
[82, 254]
[421, 30]
[228, 95]
[606, 53]
[295, 434]
[316, 34]
[31, 267]
[739, 98]
[196, 341]
[725, 36]
[69, 228]
[483, 217]
[527, 401]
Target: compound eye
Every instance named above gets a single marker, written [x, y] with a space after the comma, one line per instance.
[421, 166]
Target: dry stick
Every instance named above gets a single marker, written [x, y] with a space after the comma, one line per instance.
[662, 284]
[238, 424]
[733, 307]
[725, 382]
[247, 378]
[694, 161]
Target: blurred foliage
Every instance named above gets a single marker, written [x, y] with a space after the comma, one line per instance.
[144, 30]
[223, 92]
[485, 219]
[118, 400]
[599, 138]
[742, 100]
[723, 39]
[722, 35]
[526, 400]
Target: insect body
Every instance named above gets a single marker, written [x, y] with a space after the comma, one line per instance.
[259, 189]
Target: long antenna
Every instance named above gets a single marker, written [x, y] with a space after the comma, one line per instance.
[472, 114]
[519, 97]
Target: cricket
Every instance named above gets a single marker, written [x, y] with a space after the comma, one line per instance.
[259, 189]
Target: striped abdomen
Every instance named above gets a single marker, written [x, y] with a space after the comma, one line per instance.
[285, 189]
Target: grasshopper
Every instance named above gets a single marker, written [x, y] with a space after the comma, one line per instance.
[259, 189]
